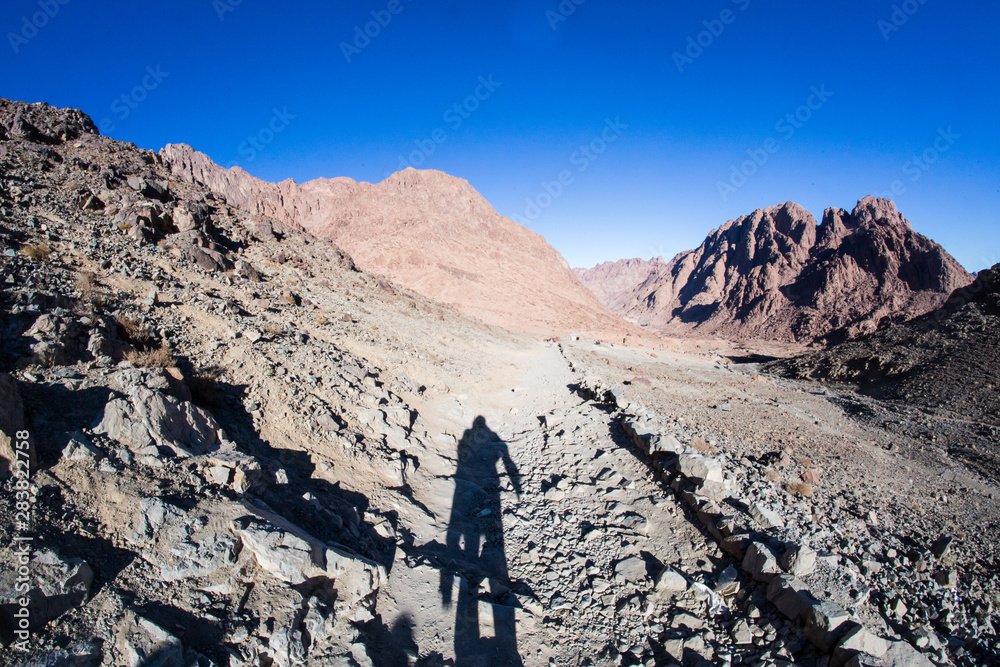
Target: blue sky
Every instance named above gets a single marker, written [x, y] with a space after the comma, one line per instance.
[613, 129]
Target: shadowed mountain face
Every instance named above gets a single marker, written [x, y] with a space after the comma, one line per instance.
[428, 231]
[775, 274]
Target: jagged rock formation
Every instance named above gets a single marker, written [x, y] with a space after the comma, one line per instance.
[428, 231]
[614, 282]
[775, 274]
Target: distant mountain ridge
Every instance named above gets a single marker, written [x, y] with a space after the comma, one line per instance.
[776, 275]
[428, 231]
[614, 282]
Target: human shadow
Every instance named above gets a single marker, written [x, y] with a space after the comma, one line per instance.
[485, 632]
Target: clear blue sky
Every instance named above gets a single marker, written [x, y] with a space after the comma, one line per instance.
[887, 95]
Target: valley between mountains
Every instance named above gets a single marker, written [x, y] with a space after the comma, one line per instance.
[280, 424]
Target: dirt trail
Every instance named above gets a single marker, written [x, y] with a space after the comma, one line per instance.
[518, 563]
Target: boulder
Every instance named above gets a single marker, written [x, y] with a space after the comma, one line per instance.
[289, 554]
[700, 467]
[825, 623]
[145, 420]
[800, 561]
[761, 562]
[790, 596]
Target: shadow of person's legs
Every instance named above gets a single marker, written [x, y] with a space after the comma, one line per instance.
[485, 633]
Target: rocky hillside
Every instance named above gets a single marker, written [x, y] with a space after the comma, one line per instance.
[614, 282]
[776, 275]
[428, 231]
[223, 445]
[947, 362]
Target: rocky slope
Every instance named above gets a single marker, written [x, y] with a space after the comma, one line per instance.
[776, 275]
[224, 445]
[428, 231]
[946, 362]
[614, 282]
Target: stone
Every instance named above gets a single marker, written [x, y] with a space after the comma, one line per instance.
[736, 545]
[240, 471]
[767, 518]
[696, 466]
[142, 643]
[664, 444]
[859, 640]
[146, 420]
[632, 570]
[741, 634]
[761, 562]
[291, 555]
[671, 582]
[946, 578]
[902, 654]
[800, 561]
[55, 584]
[79, 448]
[252, 335]
[185, 220]
[942, 546]
[327, 423]
[790, 596]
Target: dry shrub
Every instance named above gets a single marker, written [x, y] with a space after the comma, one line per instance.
[160, 357]
[322, 320]
[701, 446]
[274, 329]
[125, 227]
[804, 462]
[132, 331]
[771, 474]
[38, 253]
[799, 489]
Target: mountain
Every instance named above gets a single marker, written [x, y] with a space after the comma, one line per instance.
[776, 275]
[614, 282]
[428, 231]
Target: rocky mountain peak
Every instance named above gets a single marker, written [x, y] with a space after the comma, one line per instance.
[775, 274]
